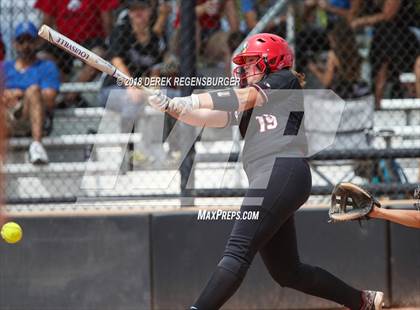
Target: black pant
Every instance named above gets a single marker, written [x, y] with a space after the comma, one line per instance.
[274, 236]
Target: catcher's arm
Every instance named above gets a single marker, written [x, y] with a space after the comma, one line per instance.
[410, 218]
[351, 202]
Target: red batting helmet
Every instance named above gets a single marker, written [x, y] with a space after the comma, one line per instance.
[272, 51]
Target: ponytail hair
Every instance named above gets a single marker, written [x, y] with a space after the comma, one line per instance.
[301, 78]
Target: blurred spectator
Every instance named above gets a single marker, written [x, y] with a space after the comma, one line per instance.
[212, 41]
[88, 22]
[209, 14]
[134, 46]
[342, 72]
[254, 10]
[313, 37]
[394, 46]
[31, 87]
[337, 9]
[161, 9]
[2, 49]
[136, 50]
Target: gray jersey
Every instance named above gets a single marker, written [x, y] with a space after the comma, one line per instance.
[276, 128]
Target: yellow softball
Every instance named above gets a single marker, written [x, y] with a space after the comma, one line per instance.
[11, 232]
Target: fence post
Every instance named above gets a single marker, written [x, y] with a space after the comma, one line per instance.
[187, 69]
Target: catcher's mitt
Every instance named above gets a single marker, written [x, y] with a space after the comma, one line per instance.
[350, 202]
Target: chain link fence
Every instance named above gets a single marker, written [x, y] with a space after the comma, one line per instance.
[102, 140]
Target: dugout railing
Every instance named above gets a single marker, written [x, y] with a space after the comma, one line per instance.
[64, 170]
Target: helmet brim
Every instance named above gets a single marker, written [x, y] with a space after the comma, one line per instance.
[240, 58]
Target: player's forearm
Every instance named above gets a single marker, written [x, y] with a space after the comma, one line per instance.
[230, 99]
[410, 218]
[211, 109]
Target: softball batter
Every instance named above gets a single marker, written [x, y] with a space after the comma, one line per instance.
[264, 66]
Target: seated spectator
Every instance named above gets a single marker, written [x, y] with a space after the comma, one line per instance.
[135, 49]
[31, 87]
[160, 15]
[134, 46]
[342, 72]
[254, 10]
[394, 47]
[209, 14]
[312, 38]
[88, 22]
